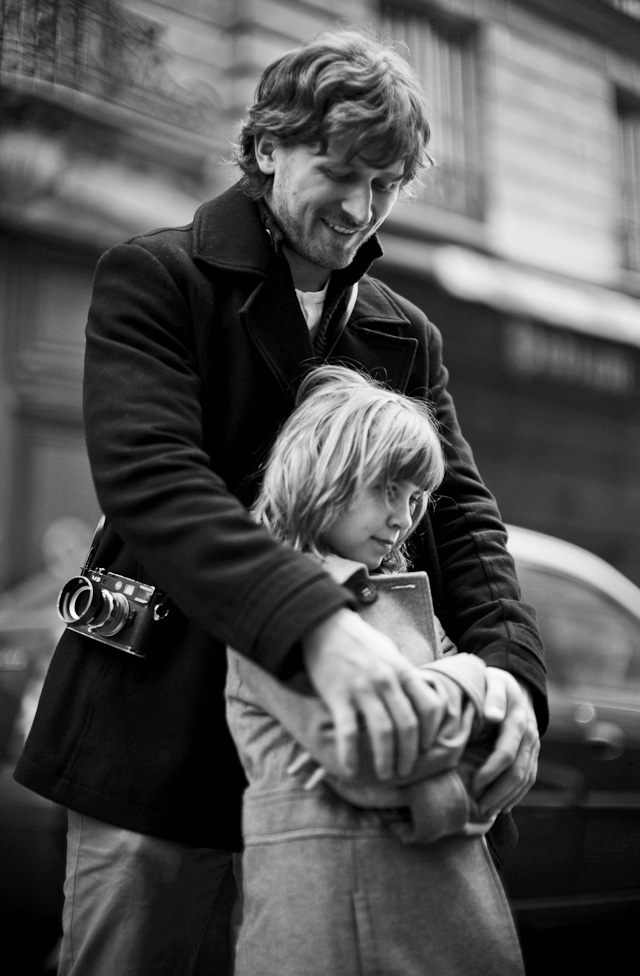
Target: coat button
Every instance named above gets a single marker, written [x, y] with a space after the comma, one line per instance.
[366, 592]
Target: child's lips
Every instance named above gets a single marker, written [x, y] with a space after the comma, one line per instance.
[387, 543]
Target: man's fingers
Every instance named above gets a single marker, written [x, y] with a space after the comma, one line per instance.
[345, 720]
[402, 721]
[383, 733]
[528, 779]
[400, 717]
[428, 706]
[503, 781]
[505, 794]
[496, 699]
[510, 770]
[503, 757]
[368, 686]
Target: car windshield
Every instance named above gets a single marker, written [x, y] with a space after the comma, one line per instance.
[590, 640]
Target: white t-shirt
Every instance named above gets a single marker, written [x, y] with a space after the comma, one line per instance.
[312, 303]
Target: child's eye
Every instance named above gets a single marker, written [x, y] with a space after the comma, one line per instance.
[415, 501]
[391, 494]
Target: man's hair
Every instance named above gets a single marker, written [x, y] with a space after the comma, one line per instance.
[347, 82]
[347, 433]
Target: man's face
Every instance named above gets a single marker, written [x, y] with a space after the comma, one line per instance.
[325, 204]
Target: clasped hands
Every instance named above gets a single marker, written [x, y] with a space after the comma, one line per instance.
[364, 680]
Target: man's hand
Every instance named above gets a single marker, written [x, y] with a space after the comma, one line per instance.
[510, 771]
[363, 679]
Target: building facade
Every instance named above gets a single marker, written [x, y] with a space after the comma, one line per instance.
[523, 243]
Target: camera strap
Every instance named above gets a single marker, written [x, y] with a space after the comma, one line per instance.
[95, 542]
[161, 608]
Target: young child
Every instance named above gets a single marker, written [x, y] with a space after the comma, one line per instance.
[364, 876]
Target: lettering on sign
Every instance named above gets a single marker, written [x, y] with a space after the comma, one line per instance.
[531, 352]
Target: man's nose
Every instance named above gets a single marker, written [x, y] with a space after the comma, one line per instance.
[357, 203]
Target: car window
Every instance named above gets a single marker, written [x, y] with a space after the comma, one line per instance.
[589, 639]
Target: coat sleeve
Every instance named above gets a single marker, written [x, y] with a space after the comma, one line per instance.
[482, 609]
[154, 479]
[456, 687]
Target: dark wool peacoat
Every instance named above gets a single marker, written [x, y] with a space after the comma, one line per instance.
[195, 346]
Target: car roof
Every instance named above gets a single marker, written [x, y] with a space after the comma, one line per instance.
[556, 555]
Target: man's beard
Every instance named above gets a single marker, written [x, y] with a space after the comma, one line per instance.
[322, 256]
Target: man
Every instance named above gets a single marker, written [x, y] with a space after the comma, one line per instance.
[196, 339]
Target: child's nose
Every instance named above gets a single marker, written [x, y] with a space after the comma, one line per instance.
[400, 515]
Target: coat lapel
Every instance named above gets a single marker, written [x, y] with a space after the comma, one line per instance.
[377, 338]
[274, 322]
[229, 234]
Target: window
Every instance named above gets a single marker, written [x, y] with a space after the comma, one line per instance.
[589, 640]
[444, 54]
[629, 138]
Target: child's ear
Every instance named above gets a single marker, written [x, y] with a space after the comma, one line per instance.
[264, 145]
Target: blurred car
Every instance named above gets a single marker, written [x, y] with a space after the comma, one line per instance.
[578, 859]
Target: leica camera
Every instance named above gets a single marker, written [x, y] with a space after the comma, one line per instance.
[112, 609]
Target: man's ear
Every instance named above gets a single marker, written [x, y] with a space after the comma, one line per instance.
[264, 145]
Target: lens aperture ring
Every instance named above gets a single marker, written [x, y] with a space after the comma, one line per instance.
[113, 615]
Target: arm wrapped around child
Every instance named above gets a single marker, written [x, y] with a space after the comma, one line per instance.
[435, 799]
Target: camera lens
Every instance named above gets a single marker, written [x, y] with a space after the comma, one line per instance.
[79, 600]
[88, 603]
[112, 615]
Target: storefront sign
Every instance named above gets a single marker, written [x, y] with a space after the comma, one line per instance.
[535, 351]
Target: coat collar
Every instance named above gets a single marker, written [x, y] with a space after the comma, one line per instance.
[228, 233]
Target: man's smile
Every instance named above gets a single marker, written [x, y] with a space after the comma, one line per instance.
[340, 228]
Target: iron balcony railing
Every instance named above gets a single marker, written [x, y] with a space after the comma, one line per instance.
[96, 48]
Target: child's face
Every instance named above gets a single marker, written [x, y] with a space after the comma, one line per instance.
[375, 522]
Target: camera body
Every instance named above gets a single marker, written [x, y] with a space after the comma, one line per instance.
[113, 609]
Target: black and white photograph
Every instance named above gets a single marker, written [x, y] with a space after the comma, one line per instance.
[319, 487]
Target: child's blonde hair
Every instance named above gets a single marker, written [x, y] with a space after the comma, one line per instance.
[347, 433]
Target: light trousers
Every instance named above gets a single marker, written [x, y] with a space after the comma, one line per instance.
[136, 905]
